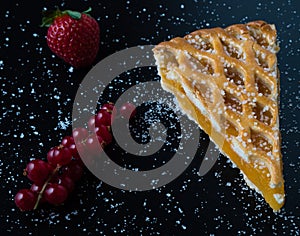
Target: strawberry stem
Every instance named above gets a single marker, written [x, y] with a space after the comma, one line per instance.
[48, 19]
[87, 11]
[74, 14]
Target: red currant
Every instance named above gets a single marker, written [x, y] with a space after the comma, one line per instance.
[25, 199]
[74, 170]
[103, 131]
[68, 142]
[63, 170]
[103, 117]
[91, 123]
[36, 188]
[127, 110]
[55, 194]
[37, 171]
[67, 182]
[74, 151]
[101, 141]
[80, 134]
[92, 144]
[59, 156]
[109, 107]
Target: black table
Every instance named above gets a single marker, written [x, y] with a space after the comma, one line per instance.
[38, 90]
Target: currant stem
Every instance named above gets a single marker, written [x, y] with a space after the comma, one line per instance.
[40, 195]
[49, 178]
[44, 187]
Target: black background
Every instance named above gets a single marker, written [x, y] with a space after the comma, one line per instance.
[38, 90]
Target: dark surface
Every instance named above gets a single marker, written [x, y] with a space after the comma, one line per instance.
[38, 90]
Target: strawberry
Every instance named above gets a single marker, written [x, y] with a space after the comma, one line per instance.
[73, 36]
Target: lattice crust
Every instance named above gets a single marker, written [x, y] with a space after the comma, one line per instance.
[231, 76]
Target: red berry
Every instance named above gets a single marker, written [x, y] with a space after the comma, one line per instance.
[74, 151]
[109, 107]
[59, 156]
[55, 194]
[37, 171]
[80, 134]
[127, 110]
[101, 141]
[74, 170]
[54, 178]
[36, 188]
[68, 142]
[67, 182]
[79, 162]
[74, 39]
[92, 144]
[103, 117]
[91, 123]
[25, 200]
[103, 131]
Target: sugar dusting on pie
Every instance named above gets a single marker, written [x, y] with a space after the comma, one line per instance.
[227, 81]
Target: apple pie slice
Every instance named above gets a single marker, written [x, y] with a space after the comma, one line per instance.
[227, 81]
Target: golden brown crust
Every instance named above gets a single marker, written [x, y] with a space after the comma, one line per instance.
[238, 66]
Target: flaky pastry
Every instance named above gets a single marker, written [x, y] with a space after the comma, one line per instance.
[227, 81]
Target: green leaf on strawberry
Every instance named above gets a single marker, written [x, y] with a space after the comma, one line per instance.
[48, 19]
[74, 14]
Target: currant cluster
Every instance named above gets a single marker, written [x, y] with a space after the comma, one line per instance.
[54, 180]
